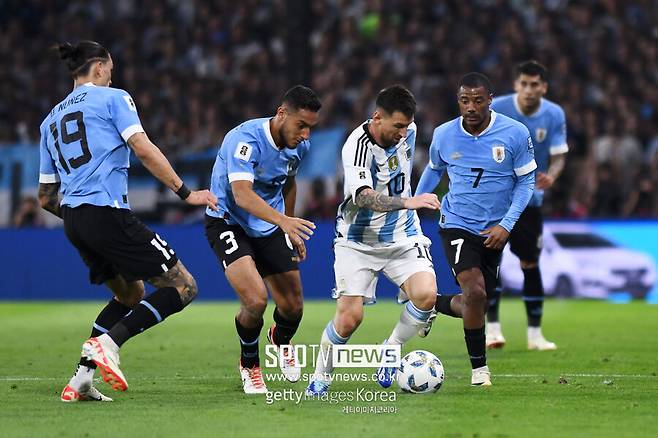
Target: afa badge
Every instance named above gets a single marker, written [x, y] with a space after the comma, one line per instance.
[498, 152]
[393, 163]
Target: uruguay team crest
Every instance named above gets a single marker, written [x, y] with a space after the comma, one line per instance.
[540, 134]
[393, 163]
[498, 152]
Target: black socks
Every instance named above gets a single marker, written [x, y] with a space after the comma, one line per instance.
[150, 311]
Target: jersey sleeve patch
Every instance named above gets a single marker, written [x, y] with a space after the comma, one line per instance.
[243, 151]
[131, 103]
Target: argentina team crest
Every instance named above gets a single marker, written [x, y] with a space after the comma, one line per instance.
[540, 134]
[393, 163]
[498, 152]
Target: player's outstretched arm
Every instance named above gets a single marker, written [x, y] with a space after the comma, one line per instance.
[372, 200]
[429, 179]
[520, 197]
[296, 228]
[156, 163]
[49, 198]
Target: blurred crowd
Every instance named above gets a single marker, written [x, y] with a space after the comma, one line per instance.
[198, 68]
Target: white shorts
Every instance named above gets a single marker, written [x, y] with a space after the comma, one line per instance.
[357, 266]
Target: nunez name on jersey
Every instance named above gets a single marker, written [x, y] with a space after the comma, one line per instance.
[387, 171]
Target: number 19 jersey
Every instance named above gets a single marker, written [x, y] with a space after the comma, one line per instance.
[83, 146]
[387, 171]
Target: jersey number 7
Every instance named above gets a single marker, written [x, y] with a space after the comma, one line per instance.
[70, 137]
[480, 171]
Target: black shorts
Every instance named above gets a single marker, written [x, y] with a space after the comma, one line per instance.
[113, 241]
[525, 240]
[465, 250]
[272, 254]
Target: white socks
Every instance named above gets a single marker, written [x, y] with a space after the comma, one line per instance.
[411, 319]
[323, 363]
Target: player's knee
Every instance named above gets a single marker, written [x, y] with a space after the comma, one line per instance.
[475, 295]
[425, 298]
[255, 305]
[348, 322]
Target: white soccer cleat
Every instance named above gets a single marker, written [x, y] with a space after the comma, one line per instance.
[252, 380]
[495, 338]
[481, 376]
[105, 354]
[424, 330]
[540, 343]
[85, 393]
[287, 359]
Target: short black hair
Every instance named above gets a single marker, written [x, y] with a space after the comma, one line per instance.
[532, 68]
[79, 57]
[475, 80]
[396, 98]
[301, 97]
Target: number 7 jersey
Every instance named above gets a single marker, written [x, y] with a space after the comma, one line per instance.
[83, 146]
[387, 171]
[483, 170]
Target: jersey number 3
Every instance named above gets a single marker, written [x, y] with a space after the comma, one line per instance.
[69, 137]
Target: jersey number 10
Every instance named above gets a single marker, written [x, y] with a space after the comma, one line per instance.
[70, 137]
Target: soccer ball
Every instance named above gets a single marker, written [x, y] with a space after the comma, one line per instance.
[420, 372]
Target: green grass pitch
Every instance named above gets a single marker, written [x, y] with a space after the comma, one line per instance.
[183, 379]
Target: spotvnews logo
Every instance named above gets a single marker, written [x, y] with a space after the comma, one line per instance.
[340, 356]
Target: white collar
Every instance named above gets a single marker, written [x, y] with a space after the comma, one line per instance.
[491, 122]
[518, 107]
[268, 134]
[89, 84]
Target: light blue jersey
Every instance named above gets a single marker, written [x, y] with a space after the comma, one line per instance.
[249, 153]
[491, 175]
[83, 145]
[548, 129]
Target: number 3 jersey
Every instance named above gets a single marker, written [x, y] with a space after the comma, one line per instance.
[483, 170]
[248, 153]
[83, 146]
[387, 171]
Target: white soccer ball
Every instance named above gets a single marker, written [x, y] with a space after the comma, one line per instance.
[420, 372]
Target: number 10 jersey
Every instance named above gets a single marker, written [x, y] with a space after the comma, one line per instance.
[387, 171]
[83, 145]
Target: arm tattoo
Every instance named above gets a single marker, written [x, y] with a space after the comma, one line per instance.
[371, 200]
[181, 279]
[49, 198]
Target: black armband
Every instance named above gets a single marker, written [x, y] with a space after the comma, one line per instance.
[183, 192]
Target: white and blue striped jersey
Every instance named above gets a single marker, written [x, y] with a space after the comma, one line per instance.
[83, 146]
[387, 171]
[548, 129]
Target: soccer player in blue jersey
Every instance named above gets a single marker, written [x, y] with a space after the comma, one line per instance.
[255, 234]
[490, 161]
[547, 125]
[378, 231]
[85, 148]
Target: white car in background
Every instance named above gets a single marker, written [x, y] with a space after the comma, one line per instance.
[576, 261]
